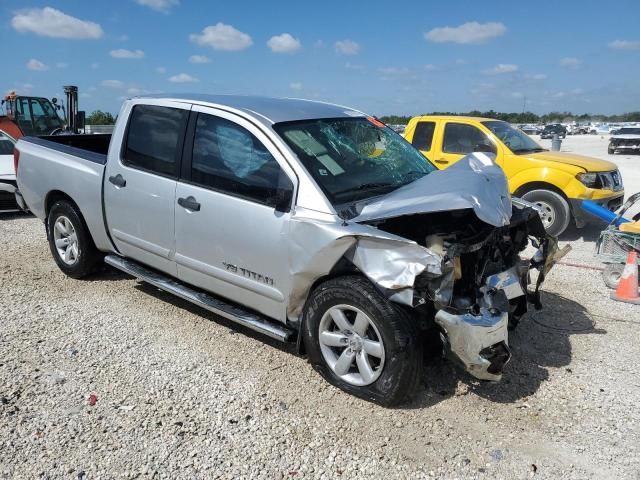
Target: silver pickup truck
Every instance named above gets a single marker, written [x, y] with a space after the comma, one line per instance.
[309, 222]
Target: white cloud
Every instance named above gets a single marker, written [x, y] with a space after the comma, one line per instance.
[517, 94]
[536, 76]
[222, 37]
[123, 38]
[559, 95]
[429, 67]
[347, 47]
[625, 44]
[284, 43]
[199, 59]
[36, 65]
[49, 22]
[129, 54]
[61, 65]
[137, 91]
[159, 5]
[183, 78]
[161, 69]
[394, 71]
[570, 62]
[351, 66]
[577, 91]
[318, 44]
[466, 34]
[95, 66]
[112, 83]
[501, 68]
[295, 86]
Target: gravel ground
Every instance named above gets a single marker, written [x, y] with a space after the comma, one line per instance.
[182, 393]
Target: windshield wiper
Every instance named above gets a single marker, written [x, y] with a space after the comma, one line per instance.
[365, 186]
[530, 150]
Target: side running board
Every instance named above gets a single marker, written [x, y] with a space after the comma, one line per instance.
[247, 318]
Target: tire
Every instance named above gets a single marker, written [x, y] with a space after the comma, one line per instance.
[76, 254]
[611, 151]
[556, 213]
[612, 273]
[390, 344]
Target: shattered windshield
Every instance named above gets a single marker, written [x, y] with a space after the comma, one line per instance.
[514, 138]
[354, 158]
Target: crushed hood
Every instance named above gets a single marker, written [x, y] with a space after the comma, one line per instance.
[474, 182]
[587, 163]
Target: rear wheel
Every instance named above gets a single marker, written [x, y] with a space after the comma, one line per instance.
[360, 342]
[555, 212]
[70, 241]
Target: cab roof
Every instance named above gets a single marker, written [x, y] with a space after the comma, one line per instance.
[456, 117]
[268, 110]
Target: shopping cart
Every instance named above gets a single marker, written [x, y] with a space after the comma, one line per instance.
[613, 246]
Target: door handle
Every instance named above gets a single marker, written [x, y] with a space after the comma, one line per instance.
[189, 203]
[442, 161]
[118, 181]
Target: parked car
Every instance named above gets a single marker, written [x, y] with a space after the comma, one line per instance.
[557, 182]
[552, 129]
[7, 174]
[531, 129]
[626, 139]
[302, 220]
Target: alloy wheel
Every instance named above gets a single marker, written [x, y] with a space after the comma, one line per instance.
[351, 345]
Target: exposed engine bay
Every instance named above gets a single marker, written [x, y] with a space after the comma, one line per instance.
[482, 288]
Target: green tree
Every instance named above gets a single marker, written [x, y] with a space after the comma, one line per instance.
[98, 117]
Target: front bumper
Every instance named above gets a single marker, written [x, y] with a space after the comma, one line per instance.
[478, 342]
[581, 217]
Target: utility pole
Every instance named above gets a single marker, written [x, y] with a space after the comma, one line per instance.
[524, 104]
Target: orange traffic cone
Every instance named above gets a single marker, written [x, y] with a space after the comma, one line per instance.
[627, 290]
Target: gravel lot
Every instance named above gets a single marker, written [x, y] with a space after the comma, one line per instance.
[181, 393]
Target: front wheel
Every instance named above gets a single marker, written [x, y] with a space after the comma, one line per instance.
[554, 210]
[360, 342]
[611, 151]
[70, 241]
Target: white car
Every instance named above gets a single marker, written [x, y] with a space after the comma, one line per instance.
[7, 174]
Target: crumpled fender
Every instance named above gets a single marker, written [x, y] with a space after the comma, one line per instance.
[389, 261]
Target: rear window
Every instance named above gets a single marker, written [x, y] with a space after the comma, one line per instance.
[6, 146]
[423, 135]
[154, 138]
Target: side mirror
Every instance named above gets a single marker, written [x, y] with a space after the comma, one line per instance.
[284, 194]
[483, 147]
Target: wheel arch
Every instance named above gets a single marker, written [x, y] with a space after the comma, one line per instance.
[529, 187]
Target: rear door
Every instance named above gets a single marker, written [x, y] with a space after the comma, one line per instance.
[423, 137]
[230, 237]
[460, 139]
[140, 183]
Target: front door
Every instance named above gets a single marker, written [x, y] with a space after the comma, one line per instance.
[230, 237]
[140, 185]
[459, 140]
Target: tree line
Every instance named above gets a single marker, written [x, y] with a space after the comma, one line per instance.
[526, 117]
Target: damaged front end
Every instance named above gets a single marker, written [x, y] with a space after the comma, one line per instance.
[472, 284]
[447, 247]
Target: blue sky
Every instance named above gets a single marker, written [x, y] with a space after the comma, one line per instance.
[382, 57]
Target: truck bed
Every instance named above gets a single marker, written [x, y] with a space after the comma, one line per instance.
[78, 145]
[73, 164]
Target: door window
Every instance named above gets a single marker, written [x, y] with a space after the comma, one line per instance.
[6, 145]
[463, 139]
[229, 158]
[154, 138]
[423, 135]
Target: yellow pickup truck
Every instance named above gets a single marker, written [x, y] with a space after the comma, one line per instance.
[557, 182]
